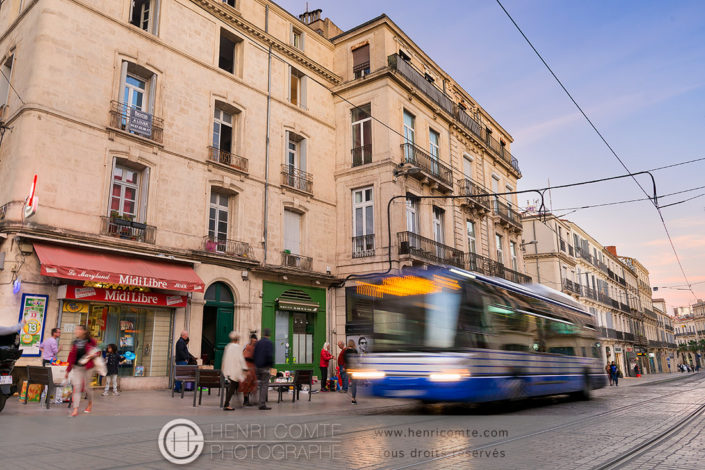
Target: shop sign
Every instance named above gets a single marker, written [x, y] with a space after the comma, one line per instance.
[33, 313]
[96, 294]
[617, 349]
[140, 122]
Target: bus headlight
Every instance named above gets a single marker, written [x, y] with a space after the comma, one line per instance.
[449, 375]
[367, 374]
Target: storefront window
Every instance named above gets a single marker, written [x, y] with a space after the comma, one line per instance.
[141, 334]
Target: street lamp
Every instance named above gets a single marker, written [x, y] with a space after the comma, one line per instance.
[405, 169]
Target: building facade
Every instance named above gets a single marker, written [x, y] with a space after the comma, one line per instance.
[690, 334]
[220, 165]
[563, 256]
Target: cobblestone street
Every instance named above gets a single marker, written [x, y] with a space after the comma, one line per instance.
[390, 434]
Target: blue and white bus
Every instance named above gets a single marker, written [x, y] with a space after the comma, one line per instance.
[453, 335]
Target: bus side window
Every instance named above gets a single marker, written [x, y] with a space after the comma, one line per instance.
[472, 324]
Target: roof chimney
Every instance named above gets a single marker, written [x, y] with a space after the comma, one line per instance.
[612, 249]
[309, 17]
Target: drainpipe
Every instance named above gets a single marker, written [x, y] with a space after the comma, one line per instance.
[266, 151]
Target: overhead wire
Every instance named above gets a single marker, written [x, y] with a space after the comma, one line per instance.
[604, 140]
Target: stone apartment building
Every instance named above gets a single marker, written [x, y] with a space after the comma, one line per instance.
[690, 328]
[217, 165]
[563, 256]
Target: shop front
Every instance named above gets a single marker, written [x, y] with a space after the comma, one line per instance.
[132, 303]
[296, 317]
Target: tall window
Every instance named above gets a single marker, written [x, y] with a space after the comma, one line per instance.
[409, 136]
[297, 38]
[218, 219]
[513, 254]
[137, 92]
[124, 197]
[222, 130]
[438, 215]
[297, 87]
[470, 225]
[467, 167]
[361, 61]
[292, 232]
[434, 139]
[363, 222]
[5, 80]
[362, 135]
[295, 175]
[145, 14]
[508, 197]
[495, 190]
[412, 214]
[227, 53]
[500, 247]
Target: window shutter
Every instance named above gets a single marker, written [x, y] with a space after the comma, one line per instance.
[286, 147]
[288, 82]
[155, 19]
[112, 178]
[123, 79]
[292, 229]
[302, 156]
[144, 195]
[302, 83]
[152, 92]
[361, 57]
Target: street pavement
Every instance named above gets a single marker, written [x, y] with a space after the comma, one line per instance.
[555, 432]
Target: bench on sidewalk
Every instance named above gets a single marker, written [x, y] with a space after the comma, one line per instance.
[210, 378]
[185, 374]
[41, 376]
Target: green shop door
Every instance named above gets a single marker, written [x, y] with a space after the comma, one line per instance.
[293, 337]
[218, 322]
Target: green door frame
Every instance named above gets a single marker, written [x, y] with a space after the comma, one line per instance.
[224, 323]
[270, 293]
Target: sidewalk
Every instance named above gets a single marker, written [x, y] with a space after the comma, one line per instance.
[654, 379]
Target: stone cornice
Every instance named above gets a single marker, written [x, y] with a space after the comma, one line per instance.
[232, 17]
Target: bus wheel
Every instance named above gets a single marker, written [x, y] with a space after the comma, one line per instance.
[585, 392]
[516, 389]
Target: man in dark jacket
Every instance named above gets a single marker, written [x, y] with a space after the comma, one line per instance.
[182, 356]
[264, 360]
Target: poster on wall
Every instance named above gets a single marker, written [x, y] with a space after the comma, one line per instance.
[362, 343]
[33, 313]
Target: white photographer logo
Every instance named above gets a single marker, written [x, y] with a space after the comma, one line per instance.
[181, 441]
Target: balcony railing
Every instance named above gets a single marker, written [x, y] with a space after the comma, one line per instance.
[430, 250]
[650, 313]
[507, 215]
[620, 335]
[515, 276]
[485, 137]
[478, 197]
[362, 155]
[290, 260]
[120, 115]
[429, 165]
[363, 246]
[571, 286]
[227, 247]
[405, 69]
[589, 292]
[297, 179]
[226, 158]
[127, 229]
[624, 307]
[483, 265]
[628, 336]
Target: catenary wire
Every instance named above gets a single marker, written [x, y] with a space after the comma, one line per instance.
[12, 87]
[607, 144]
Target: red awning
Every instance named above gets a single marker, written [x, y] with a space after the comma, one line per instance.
[85, 265]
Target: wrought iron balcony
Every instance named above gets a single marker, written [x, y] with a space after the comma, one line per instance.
[650, 313]
[290, 260]
[589, 292]
[125, 118]
[429, 250]
[117, 226]
[362, 155]
[478, 198]
[628, 336]
[297, 179]
[572, 287]
[483, 265]
[226, 158]
[515, 276]
[227, 247]
[620, 335]
[403, 68]
[430, 166]
[507, 216]
[486, 138]
[363, 246]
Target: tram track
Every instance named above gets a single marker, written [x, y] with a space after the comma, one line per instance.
[615, 463]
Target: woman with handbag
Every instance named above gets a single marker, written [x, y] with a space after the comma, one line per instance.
[234, 369]
[84, 352]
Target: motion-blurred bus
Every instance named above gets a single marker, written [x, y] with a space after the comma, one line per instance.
[453, 335]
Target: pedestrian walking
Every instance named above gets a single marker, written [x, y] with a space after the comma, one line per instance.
[342, 367]
[326, 356]
[614, 370]
[113, 361]
[50, 347]
[637, 370]
[80, 369]
[350, 353]
[264, 360]
[183, 356]
[609, 374]
[234, 369]
[249, 385]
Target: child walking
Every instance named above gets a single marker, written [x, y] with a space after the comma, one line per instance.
[112, 360]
